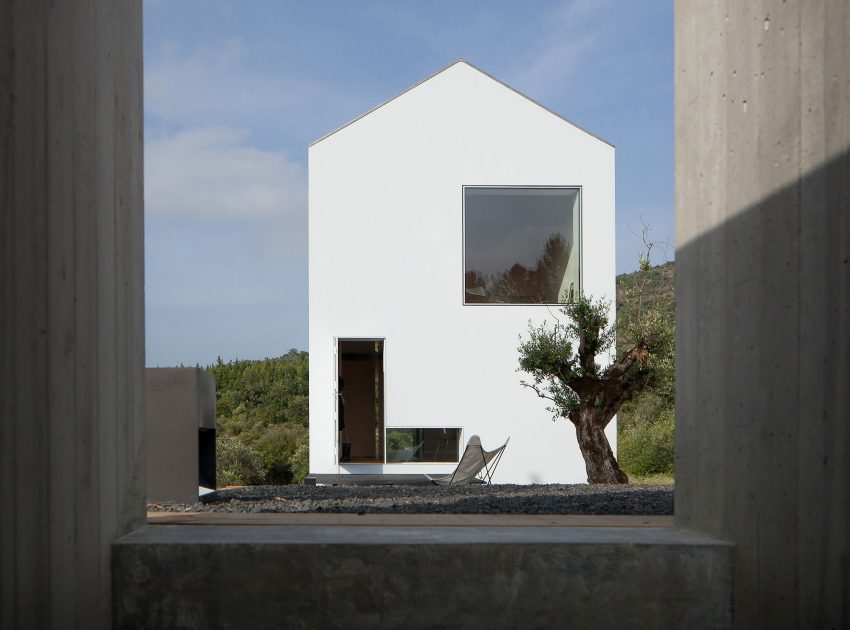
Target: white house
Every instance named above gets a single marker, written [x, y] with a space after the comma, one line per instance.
[441, 222]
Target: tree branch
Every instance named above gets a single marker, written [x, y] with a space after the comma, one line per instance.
[541, 394]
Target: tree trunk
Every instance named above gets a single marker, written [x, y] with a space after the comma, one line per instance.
[599, 460]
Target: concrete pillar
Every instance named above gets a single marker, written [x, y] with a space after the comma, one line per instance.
[763, 295]
[180, 433]
[71, 305]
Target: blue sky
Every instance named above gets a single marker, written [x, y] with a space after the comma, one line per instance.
[236, 90]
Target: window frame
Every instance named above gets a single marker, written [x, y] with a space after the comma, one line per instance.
[577, 187]
[460, 445]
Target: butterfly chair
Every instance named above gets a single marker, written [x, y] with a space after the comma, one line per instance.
[475, 462]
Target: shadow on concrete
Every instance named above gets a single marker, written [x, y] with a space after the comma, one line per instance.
[763, 340]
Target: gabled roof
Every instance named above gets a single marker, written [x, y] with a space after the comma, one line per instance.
[351, 122]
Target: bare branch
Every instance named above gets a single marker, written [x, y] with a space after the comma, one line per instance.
[541, 394]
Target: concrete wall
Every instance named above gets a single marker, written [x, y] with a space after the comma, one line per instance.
[421, 577]
[178, 402]
[71, 305]
[386, 261]
[763, 294]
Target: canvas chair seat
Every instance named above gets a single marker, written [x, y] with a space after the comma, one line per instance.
[475, 462]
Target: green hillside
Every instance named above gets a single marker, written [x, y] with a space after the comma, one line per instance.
[261, 419]
[645, 426]
[660, 285]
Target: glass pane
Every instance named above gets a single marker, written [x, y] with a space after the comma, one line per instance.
[422, 445]
[521, 245]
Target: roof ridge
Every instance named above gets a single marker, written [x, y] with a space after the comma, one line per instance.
[440, 71]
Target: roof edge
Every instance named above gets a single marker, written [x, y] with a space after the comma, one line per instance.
[440, 71]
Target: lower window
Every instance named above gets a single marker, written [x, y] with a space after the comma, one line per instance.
[423, 445]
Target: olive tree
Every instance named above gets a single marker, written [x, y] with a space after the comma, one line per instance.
[573, 364]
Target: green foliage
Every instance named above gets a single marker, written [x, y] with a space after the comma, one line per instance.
[639, 381]
[646, 310]
[562, 360]
[550, 357]
[588, 323]
[300, 462]
[277, 447]
[645, 425]
[399, 439]
[646, 436]
[237, 464]
[263, 405]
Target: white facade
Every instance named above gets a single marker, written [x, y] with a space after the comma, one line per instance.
[386, 261]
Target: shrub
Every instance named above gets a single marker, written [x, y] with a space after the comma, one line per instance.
[645, 441]
[238, 464]
[300, 462]
[277, 446]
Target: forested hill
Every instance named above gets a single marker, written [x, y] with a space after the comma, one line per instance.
[261, 419]
[660, 286]
[645, 426]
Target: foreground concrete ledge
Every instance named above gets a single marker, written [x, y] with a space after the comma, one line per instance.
[313, 576]
[264, 535]
[437, 520]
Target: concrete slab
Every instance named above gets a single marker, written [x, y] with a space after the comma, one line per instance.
[420, 577]
[433, 520]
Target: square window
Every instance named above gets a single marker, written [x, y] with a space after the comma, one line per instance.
[521, 245]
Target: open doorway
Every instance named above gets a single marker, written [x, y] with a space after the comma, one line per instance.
[360, 405]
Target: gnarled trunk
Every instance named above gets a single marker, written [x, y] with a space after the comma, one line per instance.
[599, 460]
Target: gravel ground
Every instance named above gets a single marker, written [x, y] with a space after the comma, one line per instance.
[478, 499]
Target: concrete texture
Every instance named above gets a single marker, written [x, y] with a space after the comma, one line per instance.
[71, 305]
[436, 520]
[170, 576]
[179, 403]
[763, 298]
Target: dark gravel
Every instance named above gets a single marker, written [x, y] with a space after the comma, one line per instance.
[478, 499]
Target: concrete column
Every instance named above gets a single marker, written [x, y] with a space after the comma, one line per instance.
[71, 305]
[763, 295]
[179, 413]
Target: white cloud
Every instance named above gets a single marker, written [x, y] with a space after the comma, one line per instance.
[550, 66]
[567, 38]
[537, 56]
[226, 84]
[212, 175]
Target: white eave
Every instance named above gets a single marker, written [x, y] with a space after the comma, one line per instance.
[428, 78]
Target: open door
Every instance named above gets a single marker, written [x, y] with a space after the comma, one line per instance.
[337, 445]
[360, 401]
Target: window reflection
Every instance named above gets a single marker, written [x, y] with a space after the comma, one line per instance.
[521, 245]
[422, 445]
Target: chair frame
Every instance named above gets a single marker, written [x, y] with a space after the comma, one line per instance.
[487, 472]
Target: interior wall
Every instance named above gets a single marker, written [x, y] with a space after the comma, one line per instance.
[359, 378]
[763, 299]
[71, 305]
[360, 366]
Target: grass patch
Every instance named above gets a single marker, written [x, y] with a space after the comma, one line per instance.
[660, 479]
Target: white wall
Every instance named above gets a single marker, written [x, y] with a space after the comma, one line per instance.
[386, 261]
